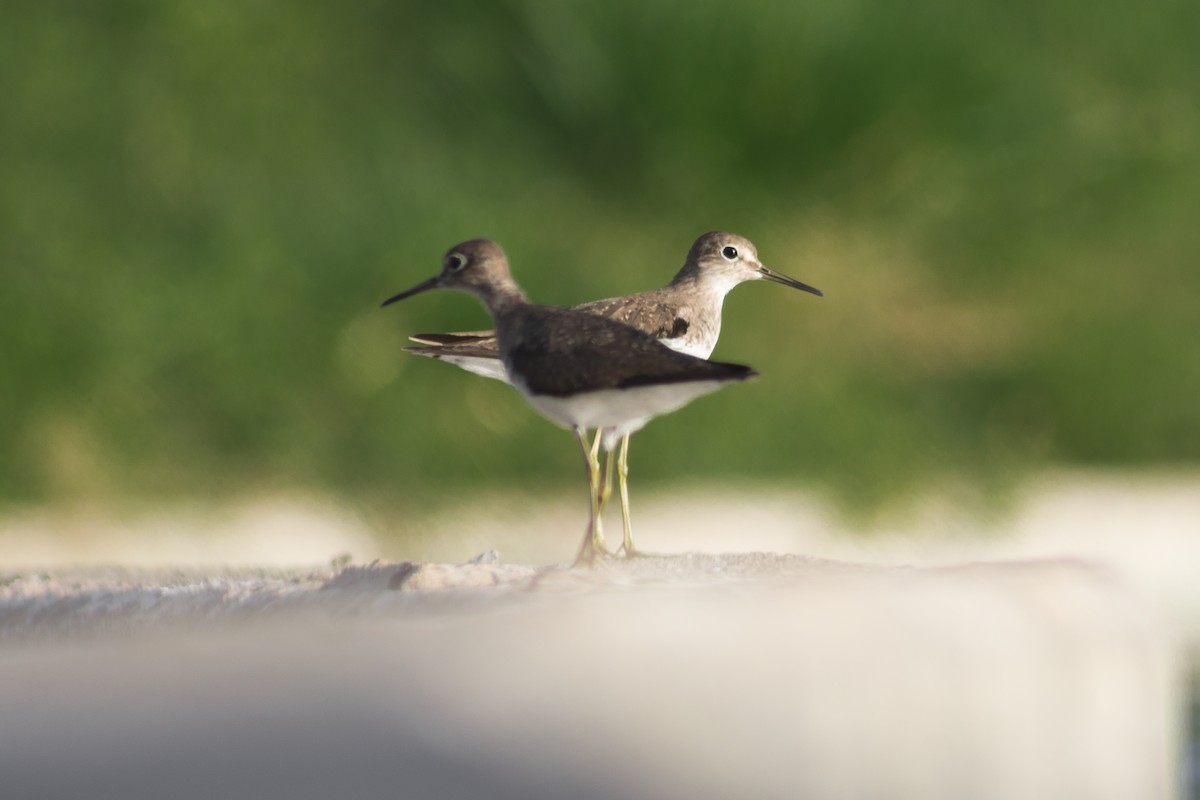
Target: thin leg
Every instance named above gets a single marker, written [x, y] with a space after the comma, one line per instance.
[605, 493]
[601, 489]
[623, 483]
[606, 482]
[592, 546]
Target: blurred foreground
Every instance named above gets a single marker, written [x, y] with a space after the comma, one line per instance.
[1057, 670]
[691, 676]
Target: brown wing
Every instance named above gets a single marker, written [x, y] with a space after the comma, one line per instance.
[648, 314]
[562, 352]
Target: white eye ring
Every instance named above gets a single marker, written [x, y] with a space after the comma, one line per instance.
[730, 252]
[455, 262]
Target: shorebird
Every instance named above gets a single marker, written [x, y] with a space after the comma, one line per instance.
[685, 315]
[579, 370]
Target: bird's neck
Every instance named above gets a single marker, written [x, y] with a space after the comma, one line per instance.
[502, 297]
[704, 292]
[504, 301]
[687, 276]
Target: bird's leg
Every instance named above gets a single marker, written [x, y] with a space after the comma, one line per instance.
[603, 490]
[605, 493]
[622, 481]
[606, 483]
[593, 540]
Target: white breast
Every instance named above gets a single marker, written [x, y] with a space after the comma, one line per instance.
[695, 347]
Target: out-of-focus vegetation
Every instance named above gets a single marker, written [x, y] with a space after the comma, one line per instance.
[202, 205]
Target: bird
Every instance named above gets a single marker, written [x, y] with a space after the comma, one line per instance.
[578, 370]
[685, 315]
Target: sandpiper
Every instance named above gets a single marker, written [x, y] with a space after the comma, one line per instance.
[685, 315]
[577, 369]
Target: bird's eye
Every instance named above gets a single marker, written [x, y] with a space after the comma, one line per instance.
[455, 262]
[730, 252]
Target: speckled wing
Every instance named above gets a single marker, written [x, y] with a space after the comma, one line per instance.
[657, 318]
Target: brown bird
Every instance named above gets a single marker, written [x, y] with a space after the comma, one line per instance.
[685, 315]
[577, 369]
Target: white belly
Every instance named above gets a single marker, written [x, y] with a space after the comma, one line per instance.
[619, 411]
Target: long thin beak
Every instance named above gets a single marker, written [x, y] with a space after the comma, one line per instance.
[779, 277]
[432, 283]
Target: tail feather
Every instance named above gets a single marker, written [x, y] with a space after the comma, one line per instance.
[465, 337]
[463, 352]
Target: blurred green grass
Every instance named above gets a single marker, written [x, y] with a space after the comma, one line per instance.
[202, 205]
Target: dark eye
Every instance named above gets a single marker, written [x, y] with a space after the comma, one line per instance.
[455, 262]
[730, 252]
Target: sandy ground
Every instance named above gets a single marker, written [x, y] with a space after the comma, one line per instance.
[1043, 654]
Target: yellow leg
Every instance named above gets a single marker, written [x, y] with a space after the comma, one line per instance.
[606, 476]
[593, 539]
[603, 492]
[623, 483]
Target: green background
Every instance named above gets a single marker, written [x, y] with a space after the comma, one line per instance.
[202, 205]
